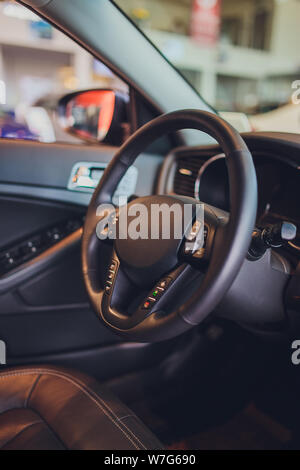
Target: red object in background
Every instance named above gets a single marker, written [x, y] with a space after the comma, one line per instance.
[102, 99]
[205, 21]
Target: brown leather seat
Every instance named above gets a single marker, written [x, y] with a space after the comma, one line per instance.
[53, 408]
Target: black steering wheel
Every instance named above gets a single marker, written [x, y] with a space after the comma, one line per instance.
[153, 289]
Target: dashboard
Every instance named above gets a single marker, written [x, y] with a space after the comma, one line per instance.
[201, 172]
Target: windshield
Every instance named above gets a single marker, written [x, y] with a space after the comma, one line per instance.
[241, 56]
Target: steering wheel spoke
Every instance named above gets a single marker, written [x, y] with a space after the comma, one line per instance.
[158, 297]
[158, 300]
[117, 289]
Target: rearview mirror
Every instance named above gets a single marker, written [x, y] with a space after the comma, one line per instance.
[95, 115]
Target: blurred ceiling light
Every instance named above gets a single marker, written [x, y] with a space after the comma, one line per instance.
[68, 78]
[20, 12]
[141, 13]
[70, 83]
[2, 92]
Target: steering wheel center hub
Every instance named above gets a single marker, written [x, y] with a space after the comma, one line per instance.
[150, 233]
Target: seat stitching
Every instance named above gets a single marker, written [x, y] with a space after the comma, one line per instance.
[31, 390]
[126, 416]
[88, 392]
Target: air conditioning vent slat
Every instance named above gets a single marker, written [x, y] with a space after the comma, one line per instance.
[185, 175]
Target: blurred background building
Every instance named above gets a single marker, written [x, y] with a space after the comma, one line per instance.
[242, 56]
[244, 60]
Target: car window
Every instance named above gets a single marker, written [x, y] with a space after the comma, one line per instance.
[241, 56]
[38, 65]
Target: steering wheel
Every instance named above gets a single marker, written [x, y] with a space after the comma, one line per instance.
[154, 289]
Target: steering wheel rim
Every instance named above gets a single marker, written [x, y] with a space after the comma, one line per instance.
[230, 244]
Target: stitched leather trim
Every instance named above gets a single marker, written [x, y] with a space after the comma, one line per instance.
[87, 391]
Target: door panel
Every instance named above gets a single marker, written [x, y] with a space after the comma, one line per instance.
[43, 305]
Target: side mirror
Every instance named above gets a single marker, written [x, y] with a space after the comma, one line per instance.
[95, 115]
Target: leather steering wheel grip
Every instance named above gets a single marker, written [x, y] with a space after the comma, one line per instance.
[230, 245]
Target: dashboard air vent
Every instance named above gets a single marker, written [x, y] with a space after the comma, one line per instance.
[185, 175]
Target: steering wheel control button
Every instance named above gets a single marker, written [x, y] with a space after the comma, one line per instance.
[198, 249]
[110, 277]
[146, 305]
[194, 231]
[156, 293]
[163, 284]
[107, 287]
